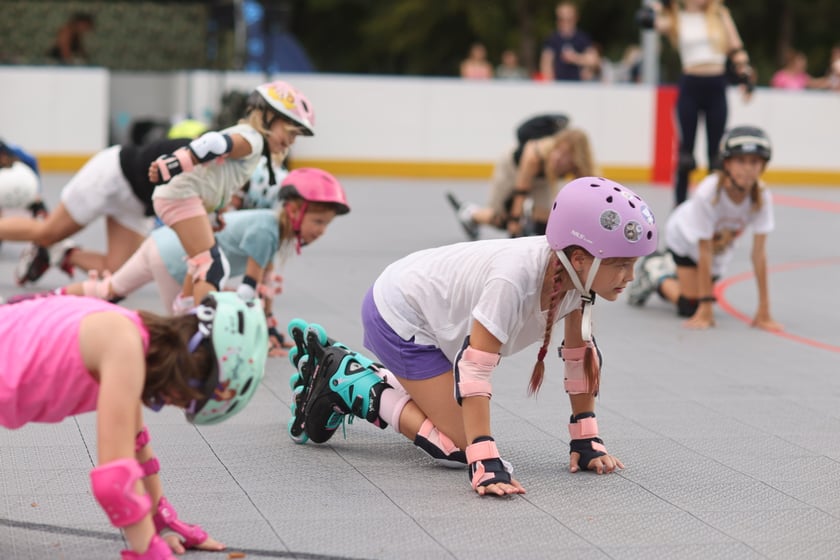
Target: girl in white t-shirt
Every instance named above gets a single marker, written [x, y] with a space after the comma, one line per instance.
[202, 177]
[441, 319]
[701, 233]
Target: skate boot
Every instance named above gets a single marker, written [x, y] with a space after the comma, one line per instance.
[464, 214]
[649, 272]
[332, 382]
[34, 261]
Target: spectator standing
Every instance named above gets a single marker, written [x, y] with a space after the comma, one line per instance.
[794, 74]
[476, 66]
[509, 67]
[568, 51]
[69, 47]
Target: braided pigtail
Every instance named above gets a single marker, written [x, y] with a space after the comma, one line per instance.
[539, 368]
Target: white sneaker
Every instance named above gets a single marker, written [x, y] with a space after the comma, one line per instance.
[464, 213]
[59, 256]
[643, 284]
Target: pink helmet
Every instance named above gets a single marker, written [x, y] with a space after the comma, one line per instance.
[315, 185]
[289, 102]
[602, 216]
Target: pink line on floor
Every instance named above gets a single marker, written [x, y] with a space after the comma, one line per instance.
[723, 285]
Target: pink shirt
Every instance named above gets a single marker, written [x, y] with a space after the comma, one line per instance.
[42, 375]
[787, 80]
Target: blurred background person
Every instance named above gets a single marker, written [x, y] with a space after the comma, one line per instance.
[568, 50]
[509, 67]
[476, 66]
[69, 47]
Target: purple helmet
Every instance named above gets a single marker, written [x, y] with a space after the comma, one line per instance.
[602, 216]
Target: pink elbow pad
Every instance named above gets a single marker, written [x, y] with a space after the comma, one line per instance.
[574, 375]
[113, 486]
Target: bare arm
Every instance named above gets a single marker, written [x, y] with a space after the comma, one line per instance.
[111, 345]
[547, 64]
[704, 316]
[763, 319]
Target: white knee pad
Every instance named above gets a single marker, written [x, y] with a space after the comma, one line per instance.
[18, 186]
[472, 372]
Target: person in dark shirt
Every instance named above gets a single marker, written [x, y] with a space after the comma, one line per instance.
[69, 46]
[568, 50]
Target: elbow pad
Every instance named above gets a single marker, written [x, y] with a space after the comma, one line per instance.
[208, 147]
[472, 372]
[113, 486]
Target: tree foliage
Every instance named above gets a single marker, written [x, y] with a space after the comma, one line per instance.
[431, 37]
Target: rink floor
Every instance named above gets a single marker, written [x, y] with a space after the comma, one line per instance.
[730, 436]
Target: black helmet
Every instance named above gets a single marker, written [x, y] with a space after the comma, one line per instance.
[745, 140]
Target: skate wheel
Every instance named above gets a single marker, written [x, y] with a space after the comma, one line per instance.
[294, 380]
[297, 324]
[293, 352]
[318, 331]
[300, 438]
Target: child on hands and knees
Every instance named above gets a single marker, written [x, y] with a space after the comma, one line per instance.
[304, 206]
[202, 177]
[97, 356]
[480, 301]
[701, 234]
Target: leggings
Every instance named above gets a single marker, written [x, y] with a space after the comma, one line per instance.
[145, 266]
[699, 94]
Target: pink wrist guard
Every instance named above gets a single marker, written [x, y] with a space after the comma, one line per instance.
[167, 518]
[158, 550]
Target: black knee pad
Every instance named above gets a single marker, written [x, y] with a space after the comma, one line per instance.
[219, 271]
[686, 162]
[686, 307]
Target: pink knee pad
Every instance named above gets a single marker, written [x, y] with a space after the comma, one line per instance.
[97, 287]
[113, 486]
[209, 266]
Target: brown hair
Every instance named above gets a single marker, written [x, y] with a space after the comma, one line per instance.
[170, 367]
[590, 362]
[286, 233]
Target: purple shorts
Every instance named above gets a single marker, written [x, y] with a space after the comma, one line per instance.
[403, 357]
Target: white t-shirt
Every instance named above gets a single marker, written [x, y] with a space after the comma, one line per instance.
[216, 181]
[723, 221]
[434, 294]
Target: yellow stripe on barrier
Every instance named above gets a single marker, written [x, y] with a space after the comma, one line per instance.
[70, 163]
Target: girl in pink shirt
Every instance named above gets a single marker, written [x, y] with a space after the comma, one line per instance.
[97, 356]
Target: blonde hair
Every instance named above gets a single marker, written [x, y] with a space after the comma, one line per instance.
[576, 141]
[590, 361]
[257, 119]
[714, 24]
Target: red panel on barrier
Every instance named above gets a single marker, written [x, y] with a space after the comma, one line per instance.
[665, 136]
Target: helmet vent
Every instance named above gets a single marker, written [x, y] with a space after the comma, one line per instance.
[241, 320]
[594, 185]
[630, 202]
[610, 199]
[649, 235]
[229, 411]
[244, 389]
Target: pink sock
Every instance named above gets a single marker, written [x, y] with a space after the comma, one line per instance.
[391, 405]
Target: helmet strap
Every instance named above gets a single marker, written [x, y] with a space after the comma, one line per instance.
[296, 223]
[272, 180]
[586, 293]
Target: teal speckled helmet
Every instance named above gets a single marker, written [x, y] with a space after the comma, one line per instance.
[239, 335]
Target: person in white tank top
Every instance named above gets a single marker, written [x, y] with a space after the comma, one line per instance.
[712, 56]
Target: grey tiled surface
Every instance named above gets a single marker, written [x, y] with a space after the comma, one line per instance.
[730, 437]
